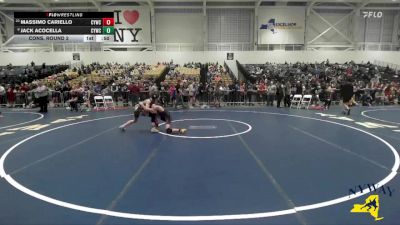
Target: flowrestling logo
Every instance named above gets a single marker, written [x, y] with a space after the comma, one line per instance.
[274, 26]
[372, 14]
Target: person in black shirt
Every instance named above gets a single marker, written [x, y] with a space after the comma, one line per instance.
[346, 91]
[279, 94]
[287, 91]
[299, 88]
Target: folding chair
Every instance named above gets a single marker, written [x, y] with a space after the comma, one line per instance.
[109, 102]
[296, 101]
[305, 102]
[99, 102]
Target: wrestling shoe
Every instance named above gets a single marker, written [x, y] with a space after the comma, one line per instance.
[182, 131]
[154, 130]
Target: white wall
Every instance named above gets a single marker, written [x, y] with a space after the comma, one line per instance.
[230, 25]
[315, 26]
[355, 27]
[179, 27]
[183, 57]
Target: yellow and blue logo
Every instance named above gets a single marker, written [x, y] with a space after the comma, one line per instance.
[370, 206]
[273, 26]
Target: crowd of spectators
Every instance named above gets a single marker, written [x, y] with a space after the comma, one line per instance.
[16, 81]
[19, 74]
[217, 74]
[88, 80]
[371, 84]
[182, 85]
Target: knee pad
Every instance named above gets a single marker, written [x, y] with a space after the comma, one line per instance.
[169, 131]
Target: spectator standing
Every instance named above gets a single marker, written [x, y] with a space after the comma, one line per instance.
[218, 90]
[271, 94]
[97, 89]
[287, 92]
[41, 94]
[3, 93]
[261, 91]
[201, 92]
[179, 94]
[328, 97]
[299, 88]
[115, 91]
[153, 90]
[242, 92]
[346, 91]
[192, 94]
[134, 92]
[279, 94]
[25, 87]
[172, 94]
[11, 96]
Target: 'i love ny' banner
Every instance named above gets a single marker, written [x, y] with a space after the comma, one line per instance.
[132, 25]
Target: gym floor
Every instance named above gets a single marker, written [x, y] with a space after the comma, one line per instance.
[234, 166]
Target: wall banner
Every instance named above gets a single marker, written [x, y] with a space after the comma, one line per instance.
[132, 24]
[281, 25]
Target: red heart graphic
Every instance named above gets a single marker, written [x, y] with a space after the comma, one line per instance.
[131, 16]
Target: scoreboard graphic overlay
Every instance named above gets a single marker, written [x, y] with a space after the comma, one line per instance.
[64, 26]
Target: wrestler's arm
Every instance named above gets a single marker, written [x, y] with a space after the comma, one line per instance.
[148, 109]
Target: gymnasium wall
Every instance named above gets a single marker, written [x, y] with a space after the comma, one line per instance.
[178, 26]
[218, 56]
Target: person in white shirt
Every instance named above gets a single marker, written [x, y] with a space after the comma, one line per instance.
[41, 93]
[271, 93]
[192, 95]
[153, 90]
[2, 95]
